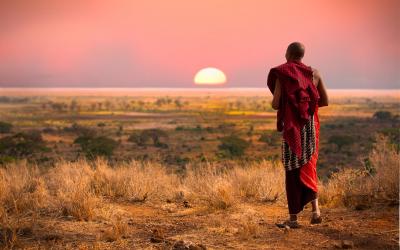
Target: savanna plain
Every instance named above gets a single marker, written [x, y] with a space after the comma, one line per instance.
[189, 169]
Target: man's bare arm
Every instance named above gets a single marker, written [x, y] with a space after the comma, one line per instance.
[323, 101]
[277, 95]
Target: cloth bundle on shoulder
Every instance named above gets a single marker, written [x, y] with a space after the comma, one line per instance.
[299, 100]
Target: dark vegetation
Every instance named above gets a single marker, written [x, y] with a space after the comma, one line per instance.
[5, 127]
[94, 147]
[21, 145]
[233, 146]
[179, 130]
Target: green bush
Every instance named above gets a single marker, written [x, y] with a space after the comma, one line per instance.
[383, 115]
[80, 130]
[341, 140]
[272, 138]
[96, 146]
[149, 135]
[22, 144]
[5, 127]
[233, 145]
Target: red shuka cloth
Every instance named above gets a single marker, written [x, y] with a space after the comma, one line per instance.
[308, 172]
[299, 99]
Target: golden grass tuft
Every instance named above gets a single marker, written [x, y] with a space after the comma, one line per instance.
[221, 187]
[22, 189]
[118, 230]
[249, 228]
[134, 181]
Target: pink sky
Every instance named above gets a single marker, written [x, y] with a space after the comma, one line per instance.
[149, 43]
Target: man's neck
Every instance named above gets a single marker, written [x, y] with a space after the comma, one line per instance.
[294, 60]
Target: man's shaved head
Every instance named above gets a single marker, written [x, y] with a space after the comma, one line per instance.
[295, 51]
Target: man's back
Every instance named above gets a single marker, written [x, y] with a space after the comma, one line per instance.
[319, 83]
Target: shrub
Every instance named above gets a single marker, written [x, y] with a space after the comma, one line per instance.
[5, 127]
[96, 146]
[393, 134]
[154, 135]
[101, 124]
[233, 145]
[341, 140]
[22, 144]
[272, 138]
[80, 130]
[382, 115]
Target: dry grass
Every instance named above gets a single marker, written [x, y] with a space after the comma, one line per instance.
[249, 228]
[118, 230]
[22, 189]
[80, 189]
[363, 188]
[134, 181]
[221, 187]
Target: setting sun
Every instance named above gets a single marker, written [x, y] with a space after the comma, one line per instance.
[210, 76]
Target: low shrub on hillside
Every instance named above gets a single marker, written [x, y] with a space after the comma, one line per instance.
[5, 127]
[155, 136]
[96, 146]
[22, 145]
[233, 146]
[382, 115]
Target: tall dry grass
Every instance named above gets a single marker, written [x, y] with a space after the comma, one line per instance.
[221, 187]
[83, 190]
[362, 188]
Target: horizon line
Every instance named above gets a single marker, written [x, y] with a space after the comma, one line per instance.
[184, 88]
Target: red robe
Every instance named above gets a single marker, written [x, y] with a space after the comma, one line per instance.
[299, 100]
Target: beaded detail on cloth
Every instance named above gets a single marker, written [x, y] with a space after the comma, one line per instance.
[308, 146]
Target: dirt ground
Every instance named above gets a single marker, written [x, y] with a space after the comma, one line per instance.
[245, 226]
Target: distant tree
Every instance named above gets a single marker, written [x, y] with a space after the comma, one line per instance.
[93, 106]
[251, 130]
[383, 115]
[120, 130]
[80, 130]
[227, 126]
[59, 107]
[135, 138]
[149, 135]
[5, 127]
[160, 101]
[73, 106]
[178, 104]
[341, 140]
[96, 146]
[108, 105]
[233, 145]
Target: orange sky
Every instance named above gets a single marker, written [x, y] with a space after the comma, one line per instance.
[159, 43]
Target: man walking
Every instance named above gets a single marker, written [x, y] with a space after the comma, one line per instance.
[298, 91]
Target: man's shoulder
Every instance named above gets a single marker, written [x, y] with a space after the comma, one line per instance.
[316, 72]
